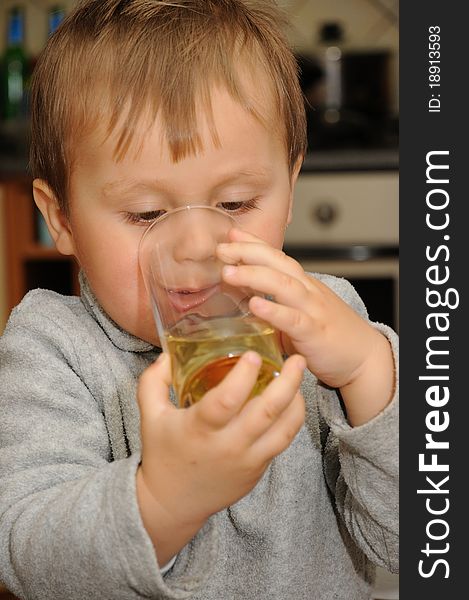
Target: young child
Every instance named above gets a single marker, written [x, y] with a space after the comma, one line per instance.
[107, 490]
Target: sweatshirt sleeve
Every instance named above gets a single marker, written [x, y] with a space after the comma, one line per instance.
[362, 463]
[70, 526]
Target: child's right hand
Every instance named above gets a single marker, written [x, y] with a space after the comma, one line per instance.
[199, 460]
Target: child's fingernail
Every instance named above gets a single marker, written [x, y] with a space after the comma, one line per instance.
[253, 358]
[223, 246]
[229, 270]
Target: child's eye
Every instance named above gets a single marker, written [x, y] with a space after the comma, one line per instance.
[144, 217]
[238, 207]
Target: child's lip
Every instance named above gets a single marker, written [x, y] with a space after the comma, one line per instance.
[187, 299]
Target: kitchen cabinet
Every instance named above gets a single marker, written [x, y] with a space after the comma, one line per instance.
[29, 263]
[3, 278]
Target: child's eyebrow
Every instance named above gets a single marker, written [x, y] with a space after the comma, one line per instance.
[261, 176]
[129, 186]
[126, 186]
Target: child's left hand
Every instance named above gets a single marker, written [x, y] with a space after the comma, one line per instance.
[341, 348]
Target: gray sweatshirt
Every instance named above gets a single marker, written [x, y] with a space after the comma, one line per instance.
[324, 512]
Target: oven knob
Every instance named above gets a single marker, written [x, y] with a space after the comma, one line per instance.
[325, 213]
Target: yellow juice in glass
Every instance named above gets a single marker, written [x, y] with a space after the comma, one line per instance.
[202, 354]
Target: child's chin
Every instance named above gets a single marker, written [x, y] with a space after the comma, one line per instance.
[154, 340]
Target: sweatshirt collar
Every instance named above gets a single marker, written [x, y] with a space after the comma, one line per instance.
[118, 336]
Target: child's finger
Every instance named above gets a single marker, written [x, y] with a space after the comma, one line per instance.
[295, 322]
[253, 253]
[282, 432]
[285, 288]
[263, 411]
[224, 401]
[153, 387]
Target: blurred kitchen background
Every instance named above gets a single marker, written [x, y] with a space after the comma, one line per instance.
[346, 212]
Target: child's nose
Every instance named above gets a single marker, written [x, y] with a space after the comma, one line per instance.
[195, 245]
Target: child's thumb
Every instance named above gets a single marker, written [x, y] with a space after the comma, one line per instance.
[153, 387]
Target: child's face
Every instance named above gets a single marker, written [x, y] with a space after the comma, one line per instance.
[249, 167]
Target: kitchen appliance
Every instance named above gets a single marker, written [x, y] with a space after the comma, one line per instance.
[348, 99]
[346, 224]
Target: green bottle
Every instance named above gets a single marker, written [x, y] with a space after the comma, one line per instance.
[14, 68]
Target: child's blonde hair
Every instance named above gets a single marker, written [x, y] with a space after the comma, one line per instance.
[116, 61]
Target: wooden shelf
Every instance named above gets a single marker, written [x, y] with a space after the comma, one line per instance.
[30, 264]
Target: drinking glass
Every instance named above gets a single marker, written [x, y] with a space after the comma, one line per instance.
[203, 323]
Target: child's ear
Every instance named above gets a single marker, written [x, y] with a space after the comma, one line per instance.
[294, 177]
[57, 223]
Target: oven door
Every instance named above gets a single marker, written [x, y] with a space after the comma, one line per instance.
[347, 224]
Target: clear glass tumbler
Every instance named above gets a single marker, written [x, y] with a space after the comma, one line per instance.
[202, 322]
